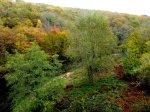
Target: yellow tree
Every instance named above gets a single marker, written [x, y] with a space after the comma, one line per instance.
[7, 40]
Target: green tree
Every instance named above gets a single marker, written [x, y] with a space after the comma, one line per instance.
[27, 73]
[145, 57]
[92, 43]
[145, 65]
[133, 50]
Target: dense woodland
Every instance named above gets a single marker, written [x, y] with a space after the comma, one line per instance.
[55, 59]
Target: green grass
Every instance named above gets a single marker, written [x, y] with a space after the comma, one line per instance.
[109, 85]
[103, 95]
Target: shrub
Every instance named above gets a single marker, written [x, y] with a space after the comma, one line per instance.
[102, 97]
[131, 65]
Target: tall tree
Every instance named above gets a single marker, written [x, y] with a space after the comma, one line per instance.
[27, 72]
[92, 43]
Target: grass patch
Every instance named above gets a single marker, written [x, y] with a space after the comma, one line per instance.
[109, 85]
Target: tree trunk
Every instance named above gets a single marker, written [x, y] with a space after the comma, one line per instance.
[90, 75]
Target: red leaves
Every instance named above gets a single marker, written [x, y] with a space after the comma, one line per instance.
[133, 98]
[55, 30]
[130, 96]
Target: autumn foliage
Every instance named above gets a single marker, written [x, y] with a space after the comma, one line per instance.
[55, 59]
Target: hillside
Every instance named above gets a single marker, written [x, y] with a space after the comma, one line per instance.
[57, 59]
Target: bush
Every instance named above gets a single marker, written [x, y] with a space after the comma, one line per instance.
[94, 102]
[102, 97]
[131, 66]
